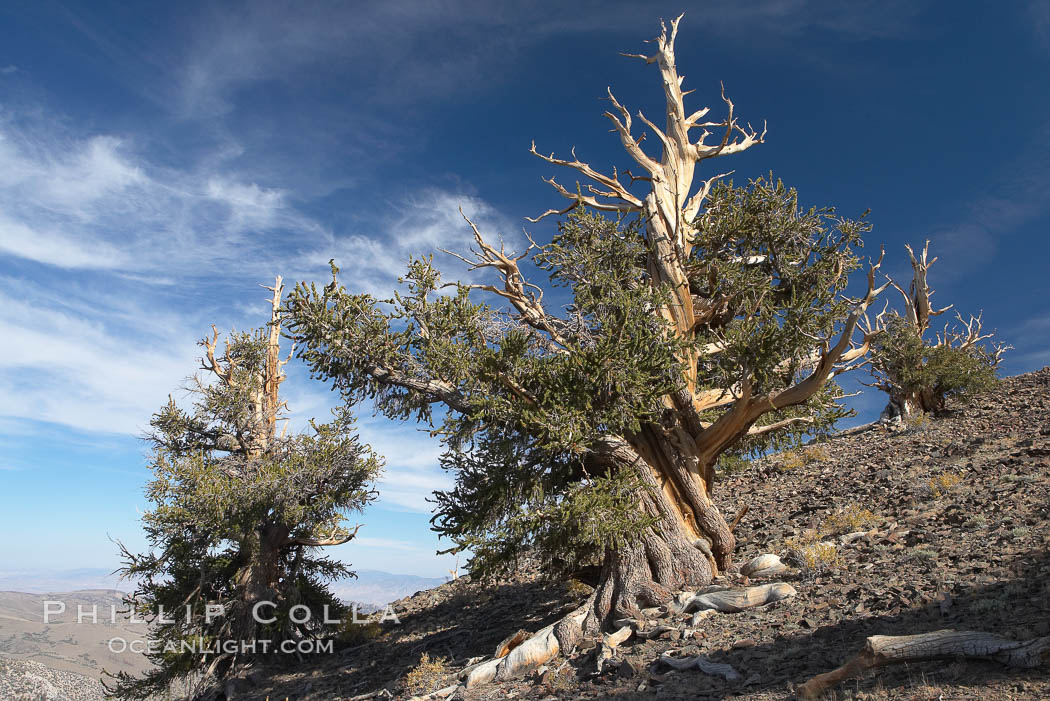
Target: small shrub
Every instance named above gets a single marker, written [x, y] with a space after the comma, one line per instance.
[924, 554]
[978, 521]
[848, 520]
[561, 679]
[426, 676]
[1020, 532]
[943, 483]
[352, 634]
[917, 423]
[811, 554]
[815, 453]
[802, 457]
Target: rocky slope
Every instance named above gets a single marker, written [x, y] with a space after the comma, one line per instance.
[942, 524]
[25, 680]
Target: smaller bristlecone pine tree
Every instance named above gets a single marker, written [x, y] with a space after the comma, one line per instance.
[239, 513]
[918, 374]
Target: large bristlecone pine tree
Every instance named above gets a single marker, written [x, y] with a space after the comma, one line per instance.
[702, 319]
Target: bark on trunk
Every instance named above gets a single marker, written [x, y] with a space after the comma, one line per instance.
[258, 578]
[688, 545]
[908, 405]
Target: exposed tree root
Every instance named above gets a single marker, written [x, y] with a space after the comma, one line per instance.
[881, 650]
[703, 664]
[518, 654]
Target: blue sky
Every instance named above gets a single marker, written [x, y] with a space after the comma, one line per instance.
[159, 161]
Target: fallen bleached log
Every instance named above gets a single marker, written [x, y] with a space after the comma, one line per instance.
[520, 656]
[735, 600]
[881, 650]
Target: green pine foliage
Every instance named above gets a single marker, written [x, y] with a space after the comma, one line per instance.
[524, 406]
[235, 510]
[910, 367]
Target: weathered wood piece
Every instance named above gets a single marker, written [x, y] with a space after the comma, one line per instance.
[610, 643]
[703, 664]
[736, 600]
[508, 644]
[763, 566]
[882, 650]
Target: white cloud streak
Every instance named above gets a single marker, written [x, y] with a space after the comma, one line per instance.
[459, 43]
[422, 223]
[128, 260]
[93, 203]
[61, 368]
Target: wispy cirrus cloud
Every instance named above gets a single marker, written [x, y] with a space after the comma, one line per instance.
[459, 44]
[118, 264]
[376, 254]
[1011, 197]
[1039, 14]
[95, 203]
[62, 368]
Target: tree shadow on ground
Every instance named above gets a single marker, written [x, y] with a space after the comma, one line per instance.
[468, 622]
[1016, 608]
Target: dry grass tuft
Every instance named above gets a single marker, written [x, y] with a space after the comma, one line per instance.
[809, 553]
[848, 520]
[805, 456]
[943, 483]
[352, 634]
[428, 675]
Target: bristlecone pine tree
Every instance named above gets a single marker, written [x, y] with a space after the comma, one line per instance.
[919, 375]
[239, 511]
[589, 438]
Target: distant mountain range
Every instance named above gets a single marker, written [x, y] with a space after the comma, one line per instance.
[71, 649]
[44, 581]
[64, 644]
[377, 588]
[372, 587]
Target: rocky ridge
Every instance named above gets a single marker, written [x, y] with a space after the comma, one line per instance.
[944, 523]
[25, 680]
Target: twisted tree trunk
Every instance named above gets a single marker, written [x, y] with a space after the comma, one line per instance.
[907, 405]
[689, 543]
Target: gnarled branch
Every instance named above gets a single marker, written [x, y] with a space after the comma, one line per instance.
[323, 542]
[525, 297]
